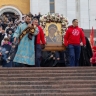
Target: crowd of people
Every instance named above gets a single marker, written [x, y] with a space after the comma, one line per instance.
[22, 43]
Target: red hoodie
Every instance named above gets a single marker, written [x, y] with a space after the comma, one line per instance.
[74, 35]
[40, 37]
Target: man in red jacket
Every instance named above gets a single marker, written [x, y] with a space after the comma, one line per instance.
[74, 35]
[40, 39]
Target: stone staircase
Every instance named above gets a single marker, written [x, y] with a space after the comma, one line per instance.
[74, 81]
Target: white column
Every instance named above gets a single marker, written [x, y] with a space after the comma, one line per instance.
[34, 6]
[60, 7]
[31, 6]
[71, 10]
[92, 9]
[84, 14]
[41, 6]
[78, 11]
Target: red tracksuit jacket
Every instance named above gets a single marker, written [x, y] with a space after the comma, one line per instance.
[40, 37]
[74, 35]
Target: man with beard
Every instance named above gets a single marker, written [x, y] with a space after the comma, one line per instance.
[25, 55]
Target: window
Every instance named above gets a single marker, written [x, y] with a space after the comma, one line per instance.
[51, 0]
[52, 6]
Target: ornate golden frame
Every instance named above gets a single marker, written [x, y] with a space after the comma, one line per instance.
[54, 37]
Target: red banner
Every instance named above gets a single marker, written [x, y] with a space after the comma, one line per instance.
[92, 37]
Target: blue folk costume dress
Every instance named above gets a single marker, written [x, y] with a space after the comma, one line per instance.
[26, 51]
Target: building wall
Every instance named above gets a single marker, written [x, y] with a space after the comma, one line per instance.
[61, 9]
[71, 10]
[92, 13]
[83, 10]
[41, 6]
[22, 5]
[88, 14]
[84, 14]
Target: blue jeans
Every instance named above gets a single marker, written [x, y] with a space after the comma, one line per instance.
[38, 55]
[74, 54]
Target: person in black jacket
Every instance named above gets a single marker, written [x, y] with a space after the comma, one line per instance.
[2, 35]
[9, 29]
[86, 54]
[4, 24]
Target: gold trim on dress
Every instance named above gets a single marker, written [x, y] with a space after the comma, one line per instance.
[21, 37]
[24, 32]
[32, 30]
[27, 30]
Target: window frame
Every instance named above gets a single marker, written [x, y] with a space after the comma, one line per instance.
[50, 6]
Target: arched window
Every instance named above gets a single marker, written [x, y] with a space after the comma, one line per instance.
[52, 6]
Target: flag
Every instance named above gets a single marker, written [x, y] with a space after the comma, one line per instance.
[92, 37]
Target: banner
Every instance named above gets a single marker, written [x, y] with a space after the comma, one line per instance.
[92, 37]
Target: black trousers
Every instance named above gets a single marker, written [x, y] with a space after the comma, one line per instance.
[25, 65]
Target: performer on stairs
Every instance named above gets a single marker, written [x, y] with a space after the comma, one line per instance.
[26, 33]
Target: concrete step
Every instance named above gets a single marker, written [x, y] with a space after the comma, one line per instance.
[75, 90]
[54, 86]
[35, 69]
[59, 78]
[46, 82]
[24, 74]
[53, 94]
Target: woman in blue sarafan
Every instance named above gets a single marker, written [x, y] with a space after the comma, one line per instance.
[25, 54]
